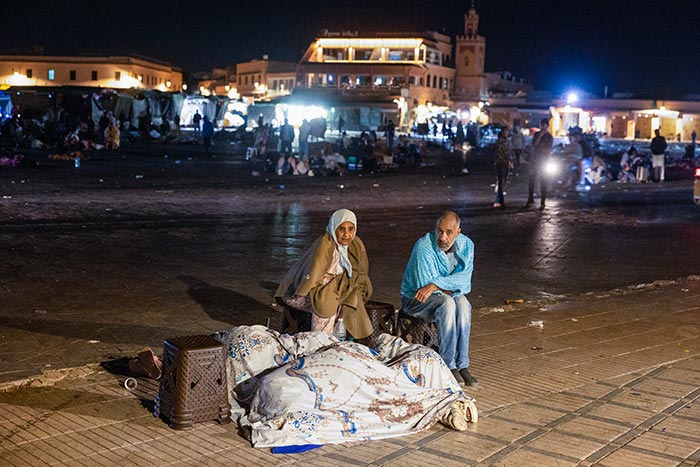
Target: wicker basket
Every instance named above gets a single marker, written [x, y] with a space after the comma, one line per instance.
[193, 387]
[383, 317]
[417, 330]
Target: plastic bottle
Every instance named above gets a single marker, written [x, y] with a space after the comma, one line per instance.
[339, 330]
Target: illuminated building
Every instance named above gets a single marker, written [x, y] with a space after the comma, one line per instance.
[117, 72]
[256, 80]
[263, 79]
[378, 71]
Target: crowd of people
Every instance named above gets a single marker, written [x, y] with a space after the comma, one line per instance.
[64, 131]
[577, 164]
[316, 155]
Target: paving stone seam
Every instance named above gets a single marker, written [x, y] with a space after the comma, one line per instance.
[592, 439]
[555, 455]
[344, 459]
[626, 438]
[543, 406]
[498, 455]
[81, 430]
[633, 433]
[647, 392]
[611, 421]
[441, 454]
[689, 418]
[695, 456]
[394, 455]
[652, 453]
[629, 406]
[517, 422]
[577, 395]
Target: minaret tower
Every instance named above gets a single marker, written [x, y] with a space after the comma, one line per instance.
[470, 79]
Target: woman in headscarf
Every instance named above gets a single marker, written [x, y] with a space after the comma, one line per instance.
[331, 280]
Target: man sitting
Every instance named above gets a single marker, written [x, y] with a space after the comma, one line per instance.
[434, 287]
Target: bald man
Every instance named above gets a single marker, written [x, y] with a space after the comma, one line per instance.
[437, 279]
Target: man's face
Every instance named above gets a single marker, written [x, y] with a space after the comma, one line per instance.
[345, 233]
[446, 232]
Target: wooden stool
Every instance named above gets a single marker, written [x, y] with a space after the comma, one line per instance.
[417, 330]
[193, 387]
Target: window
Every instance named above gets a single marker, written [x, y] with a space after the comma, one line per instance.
[434, 81]
[246, 79]
[72, 75]
[52, 74]
[94, 75]
[117, 75]
[427, 81]
[29, 73]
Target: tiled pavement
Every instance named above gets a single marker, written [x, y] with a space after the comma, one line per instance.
[611, 379]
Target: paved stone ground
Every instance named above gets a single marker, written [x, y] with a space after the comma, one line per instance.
[611, 379]
[97, 263]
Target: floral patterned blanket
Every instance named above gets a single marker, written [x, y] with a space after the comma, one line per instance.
[310, 388]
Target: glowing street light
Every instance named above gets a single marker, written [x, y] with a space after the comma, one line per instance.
[571, 98]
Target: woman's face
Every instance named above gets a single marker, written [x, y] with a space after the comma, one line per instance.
[345, 233]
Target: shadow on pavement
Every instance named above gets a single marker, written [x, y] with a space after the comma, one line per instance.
[226, 305]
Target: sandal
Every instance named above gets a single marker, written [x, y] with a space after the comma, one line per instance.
[461, 413]
[146, 364]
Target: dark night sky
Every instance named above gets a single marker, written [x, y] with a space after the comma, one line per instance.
[647, 47]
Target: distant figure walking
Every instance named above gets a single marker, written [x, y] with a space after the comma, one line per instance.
[541, 149]
[390, 130]
[517, 141]
[502, 164]
[207, 134]
[196, 120]
[658, 148]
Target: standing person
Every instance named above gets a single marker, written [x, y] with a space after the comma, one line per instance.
[341, 125]
[176, 122]
[207, 134]
[459, 135]
[517, 141]
[331, 280]
[286, 139]
[112, 136]
[102, 125]
[303, 166]
[541, 149]
[196, 119]
[304, 132]
[390, 129]
[658, 147]
[503, 153]
[437, 279]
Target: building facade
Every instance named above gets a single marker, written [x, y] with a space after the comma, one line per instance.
[117, 72]
[265, 79]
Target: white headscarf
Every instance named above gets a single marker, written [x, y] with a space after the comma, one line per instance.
[338, 217]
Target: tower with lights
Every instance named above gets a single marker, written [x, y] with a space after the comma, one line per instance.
[470, 79]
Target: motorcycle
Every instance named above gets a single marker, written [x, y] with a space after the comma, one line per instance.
[696, 186]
